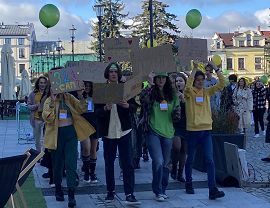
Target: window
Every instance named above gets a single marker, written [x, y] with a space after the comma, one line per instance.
[21, 67]
[241, 63]
[229, 64]
[258, 63]
[218, 45]
[241, 43]
[21, 53]
[248, 40]
[256, 43]
[8, 41]
[20, 41]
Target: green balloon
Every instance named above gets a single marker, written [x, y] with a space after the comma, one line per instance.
[264, 79]
[225, 72]
[49, 15]
[193, 18]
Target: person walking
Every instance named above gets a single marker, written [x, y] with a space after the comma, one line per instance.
[114, 124]
[160, 104]
[179, 148]
[199, 126]
[64, 125]
[35, 108]
[243, 104]
[259, 107]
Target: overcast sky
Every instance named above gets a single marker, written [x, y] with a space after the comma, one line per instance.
[218, 15]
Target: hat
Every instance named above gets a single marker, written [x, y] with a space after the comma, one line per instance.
[161, 74]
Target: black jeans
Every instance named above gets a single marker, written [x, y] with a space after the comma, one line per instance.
[258, 118]
[125, 156]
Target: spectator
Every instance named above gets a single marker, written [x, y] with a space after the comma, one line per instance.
[199, 126]
[34, 106]
[227, 94]
[243, 104]
[259, 107]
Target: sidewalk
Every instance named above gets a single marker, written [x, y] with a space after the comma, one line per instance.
[92, 195]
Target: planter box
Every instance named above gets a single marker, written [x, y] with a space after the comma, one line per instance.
[219, 155]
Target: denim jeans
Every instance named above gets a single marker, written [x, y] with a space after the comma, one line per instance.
[160, 151]
[125, 156]
[204, 138]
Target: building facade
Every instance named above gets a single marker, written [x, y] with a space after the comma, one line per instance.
[49, 54]
[20, 38]
[242, 53]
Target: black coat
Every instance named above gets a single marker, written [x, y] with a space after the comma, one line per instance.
[103, 117]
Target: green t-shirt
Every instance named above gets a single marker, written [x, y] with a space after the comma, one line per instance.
[161, 121]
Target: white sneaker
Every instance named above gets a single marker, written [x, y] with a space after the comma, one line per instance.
[256, 136]
[159, 198]
[264, 133]
[165, 196]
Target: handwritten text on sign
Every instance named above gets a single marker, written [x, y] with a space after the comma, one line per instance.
[64, 80]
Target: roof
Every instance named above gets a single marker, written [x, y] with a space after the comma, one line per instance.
[266, 33]
[227, 38]
[16, 30]
[40, 46]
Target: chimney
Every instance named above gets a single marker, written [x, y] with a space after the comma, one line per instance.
[259, 28]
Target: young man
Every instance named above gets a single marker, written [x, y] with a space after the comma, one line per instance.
[199, 126]
[114, 125]
[36, 112]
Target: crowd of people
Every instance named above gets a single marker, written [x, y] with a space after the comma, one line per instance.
[168, 120]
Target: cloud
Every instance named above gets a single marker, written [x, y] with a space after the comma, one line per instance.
[28, 12]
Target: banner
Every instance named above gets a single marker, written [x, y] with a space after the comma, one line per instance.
[65, 80]
[132, 87]
[119, 49]
[191, 49]
[158, 59]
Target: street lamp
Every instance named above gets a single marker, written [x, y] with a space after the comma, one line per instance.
[54, 50]
[99, 9]
[72, 35]
[47, 53]
[59, 48]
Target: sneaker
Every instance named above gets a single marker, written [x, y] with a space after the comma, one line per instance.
[256, 136]
[159, 198]
[93, 178]
[109, 197]
[131, 200]
[189, 188]
[86, 178]
[215, 194]
[46, 175]
[266, 159]
[59, 194]
[264, 133]
[165, 196]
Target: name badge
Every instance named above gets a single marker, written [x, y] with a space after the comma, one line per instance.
[63, 114]
[199, 100]
[90, 106]
[163, 106]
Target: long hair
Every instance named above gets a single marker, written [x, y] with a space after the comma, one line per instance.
[168, 91]
[183, 76]
[245, 83]
[36, 89]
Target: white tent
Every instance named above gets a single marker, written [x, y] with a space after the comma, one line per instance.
[7, 73]
[25, 86]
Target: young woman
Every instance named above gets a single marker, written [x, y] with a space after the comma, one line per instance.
[160, 104]
[89, 146]
[179, 142]
[64, 125]
[259, 107]
[114, 124]
[243, 104]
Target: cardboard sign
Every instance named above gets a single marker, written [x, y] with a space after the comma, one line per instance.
[119, 49]
[158, 59]
[113, 93]
[191, 49]
[64, 80]
[107, 93]
[89, 70]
